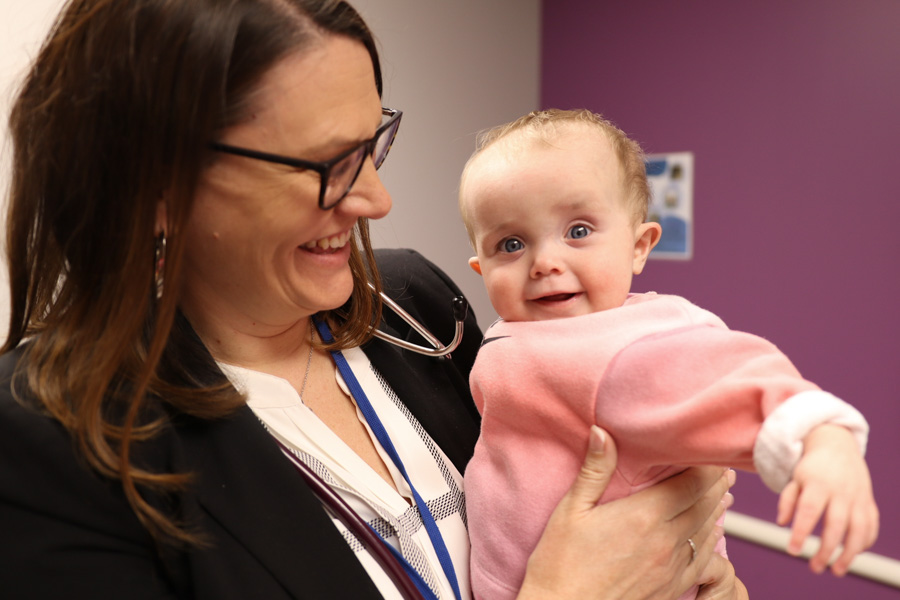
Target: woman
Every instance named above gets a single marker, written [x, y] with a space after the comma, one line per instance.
[192, 183]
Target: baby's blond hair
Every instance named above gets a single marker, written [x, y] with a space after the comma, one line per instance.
[543, 124]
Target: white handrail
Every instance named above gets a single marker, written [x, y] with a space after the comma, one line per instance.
[867, 564]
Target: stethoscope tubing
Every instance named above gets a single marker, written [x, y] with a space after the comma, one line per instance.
[361, 529]
[459, 306]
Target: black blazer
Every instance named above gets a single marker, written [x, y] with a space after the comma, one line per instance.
[65, 532]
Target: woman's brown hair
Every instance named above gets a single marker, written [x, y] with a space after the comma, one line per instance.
[117, 113]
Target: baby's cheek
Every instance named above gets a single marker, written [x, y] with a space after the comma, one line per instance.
[504, 296]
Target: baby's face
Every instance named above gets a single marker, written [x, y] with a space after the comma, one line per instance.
[554, 237]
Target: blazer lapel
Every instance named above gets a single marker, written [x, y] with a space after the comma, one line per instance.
[251, 490]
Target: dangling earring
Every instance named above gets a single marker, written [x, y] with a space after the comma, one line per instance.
[160, 263]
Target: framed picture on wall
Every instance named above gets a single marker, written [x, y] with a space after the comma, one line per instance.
[671, 178]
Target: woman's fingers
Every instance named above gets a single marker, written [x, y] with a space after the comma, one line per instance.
[633, 548]
[705, 539]
[693, 502]
[692, 494]
[596, 471]
[701, 523]
[700, 492]
[574, 558]
[718, 581]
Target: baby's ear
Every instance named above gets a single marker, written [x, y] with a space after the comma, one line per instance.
[645, 238]
[476, 266]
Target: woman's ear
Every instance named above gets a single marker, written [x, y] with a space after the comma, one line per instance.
[646, 236]
[476, 266]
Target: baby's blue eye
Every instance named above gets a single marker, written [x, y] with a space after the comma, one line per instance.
[512, 245]
[579, 231]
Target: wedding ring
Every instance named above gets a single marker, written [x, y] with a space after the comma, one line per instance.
[693, 550]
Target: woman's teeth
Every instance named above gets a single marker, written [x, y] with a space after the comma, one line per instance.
[330, 243]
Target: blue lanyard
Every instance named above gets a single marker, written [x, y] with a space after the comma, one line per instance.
[362, 401]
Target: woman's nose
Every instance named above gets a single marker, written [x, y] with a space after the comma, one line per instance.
[368, 198]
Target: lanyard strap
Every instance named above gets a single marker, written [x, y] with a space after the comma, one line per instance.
[362, 401]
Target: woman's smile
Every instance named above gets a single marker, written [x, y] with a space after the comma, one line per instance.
[328, 244]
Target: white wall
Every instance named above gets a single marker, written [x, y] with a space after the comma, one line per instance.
[22, 27]
[454, 68]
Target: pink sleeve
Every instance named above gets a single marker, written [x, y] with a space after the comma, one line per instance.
[692, 396]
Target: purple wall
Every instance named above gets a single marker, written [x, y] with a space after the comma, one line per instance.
[793, 112]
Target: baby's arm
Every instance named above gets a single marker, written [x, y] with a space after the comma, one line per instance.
[732, 379]
[831, 479]
[810, 449]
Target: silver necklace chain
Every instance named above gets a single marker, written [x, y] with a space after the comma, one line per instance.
[306, 376]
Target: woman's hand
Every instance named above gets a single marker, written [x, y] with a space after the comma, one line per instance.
[634, 548]
[719, 582]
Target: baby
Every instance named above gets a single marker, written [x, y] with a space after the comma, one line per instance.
[555, 205]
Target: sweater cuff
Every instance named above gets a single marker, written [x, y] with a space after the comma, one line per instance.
[779, 444]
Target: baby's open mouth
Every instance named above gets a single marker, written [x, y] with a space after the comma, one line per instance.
[556, 297]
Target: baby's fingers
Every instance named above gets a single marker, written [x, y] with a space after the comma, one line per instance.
[863, 532]
[836, 520]
[787, 501]
[809, 508]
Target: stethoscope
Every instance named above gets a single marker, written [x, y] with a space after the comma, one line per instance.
[459, 306]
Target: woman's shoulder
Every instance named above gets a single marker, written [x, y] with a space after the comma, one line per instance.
[36, 449]
[59, 515]
[40, 470]
[18, 408]
[406, 269]
[424, 291]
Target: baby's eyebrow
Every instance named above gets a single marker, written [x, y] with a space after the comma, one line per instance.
[501, 230]
[578, 204]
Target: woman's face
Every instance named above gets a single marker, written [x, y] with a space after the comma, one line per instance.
[260, 254]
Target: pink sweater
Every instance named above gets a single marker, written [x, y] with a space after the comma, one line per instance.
[668, 380]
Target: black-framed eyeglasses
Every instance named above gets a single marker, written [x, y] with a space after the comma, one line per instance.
[338, 174]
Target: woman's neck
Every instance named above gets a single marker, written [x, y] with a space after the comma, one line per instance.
[262, 347]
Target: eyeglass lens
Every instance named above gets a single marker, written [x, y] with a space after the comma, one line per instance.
[344, 173]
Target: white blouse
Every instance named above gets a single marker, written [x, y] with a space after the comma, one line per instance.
[393, 515]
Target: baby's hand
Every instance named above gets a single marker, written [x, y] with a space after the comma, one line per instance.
[831, 478]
